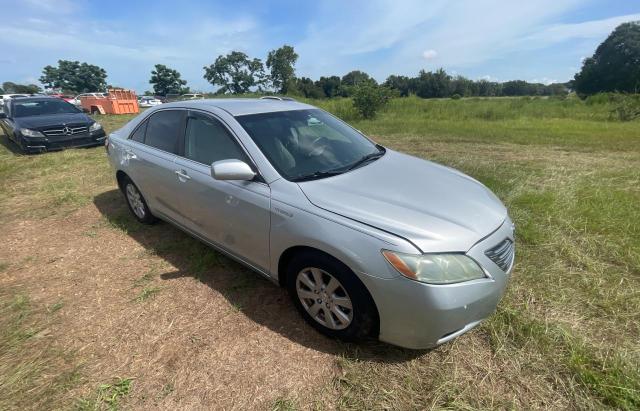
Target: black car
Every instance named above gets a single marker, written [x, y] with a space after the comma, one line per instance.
[38, 124]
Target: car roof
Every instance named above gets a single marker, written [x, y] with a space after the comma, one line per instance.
[241, 106]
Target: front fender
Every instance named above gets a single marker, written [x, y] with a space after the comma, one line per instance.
[296, 222]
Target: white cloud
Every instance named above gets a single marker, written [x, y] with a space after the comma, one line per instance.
[595, 29]
[128, 52]
[544, 80]
[380, 37]
[465, 33]
[429, 54]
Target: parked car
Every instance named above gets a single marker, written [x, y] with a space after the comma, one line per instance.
[148, 101]
[38, 124]
[368, 241]
[4, 97]
[76, 101]
[192, 96]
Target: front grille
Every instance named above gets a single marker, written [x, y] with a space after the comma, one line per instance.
[65, 131]
[502, 254]
[80, 141]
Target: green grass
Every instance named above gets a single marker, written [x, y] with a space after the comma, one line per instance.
[567, 123]
[107, 396]
[567, 332]
[284, 404]
[570, 323]
[34, 374]
[147, 293]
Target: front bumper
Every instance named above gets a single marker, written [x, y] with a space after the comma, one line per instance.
[43, 144]
[417, 315]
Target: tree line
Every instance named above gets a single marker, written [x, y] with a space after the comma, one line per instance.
[614, 67]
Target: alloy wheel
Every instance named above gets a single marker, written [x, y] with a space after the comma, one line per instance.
[324, 298]
[135, 201]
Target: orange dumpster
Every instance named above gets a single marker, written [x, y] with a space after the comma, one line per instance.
[117, 101]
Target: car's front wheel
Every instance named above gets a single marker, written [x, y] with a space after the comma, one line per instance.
[330, 297]
[137, 204]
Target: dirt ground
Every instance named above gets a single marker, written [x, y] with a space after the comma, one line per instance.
[230, 340]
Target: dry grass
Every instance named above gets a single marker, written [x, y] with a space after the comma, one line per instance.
[99, 312]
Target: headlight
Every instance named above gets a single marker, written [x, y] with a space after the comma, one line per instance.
[30, 133]
[95, 127]
[435, 268]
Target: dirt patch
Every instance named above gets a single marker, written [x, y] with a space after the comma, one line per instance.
[227, 339]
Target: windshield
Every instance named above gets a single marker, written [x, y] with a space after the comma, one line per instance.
[42, 107]
[308, 144]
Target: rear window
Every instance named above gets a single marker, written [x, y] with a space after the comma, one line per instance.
[163, 130]
[138, 135]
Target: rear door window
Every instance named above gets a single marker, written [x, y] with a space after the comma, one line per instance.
[164, 130]
[138, 135]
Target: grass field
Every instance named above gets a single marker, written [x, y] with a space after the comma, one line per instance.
[98, 312]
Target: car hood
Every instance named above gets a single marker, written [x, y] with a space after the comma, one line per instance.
[49, 120]
[435, 207]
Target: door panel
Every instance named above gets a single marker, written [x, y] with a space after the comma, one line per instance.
[234, 215]
[153, 171]
[151, 153]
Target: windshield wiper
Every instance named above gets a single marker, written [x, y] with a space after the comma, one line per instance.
[367, 158]
[322, 174]
[316, 175]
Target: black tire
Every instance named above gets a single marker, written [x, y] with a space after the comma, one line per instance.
[143, 215]
[364, 323]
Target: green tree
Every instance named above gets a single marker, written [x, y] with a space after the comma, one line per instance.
[308, 88]
[281, 63]
[235, 73]
[615, 65]
[166, 80]
[357, 77]
[329, 85]
[517, 88]
[74, 77]
[486, 88]
[11, 87]
[352, 79]
[402, 84]
[369, 98]
[433, 84]
[462, 86]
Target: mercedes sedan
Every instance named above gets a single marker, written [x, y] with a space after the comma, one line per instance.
[368, 241]
[38, 124]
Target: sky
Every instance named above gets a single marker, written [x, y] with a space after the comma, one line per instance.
[539, 41]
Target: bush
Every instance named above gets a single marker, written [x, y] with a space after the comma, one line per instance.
[368, 99]
[627, 108]
[602, 98]
[621, 107]
[456, 96]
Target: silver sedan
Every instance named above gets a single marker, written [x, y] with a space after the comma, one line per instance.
[368, 241]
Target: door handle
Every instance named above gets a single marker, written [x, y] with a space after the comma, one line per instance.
[183, 174]
[130, 154]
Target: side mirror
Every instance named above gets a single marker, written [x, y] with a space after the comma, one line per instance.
[232, 170]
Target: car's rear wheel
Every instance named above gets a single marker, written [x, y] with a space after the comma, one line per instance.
[137, 204]
[330, 297]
